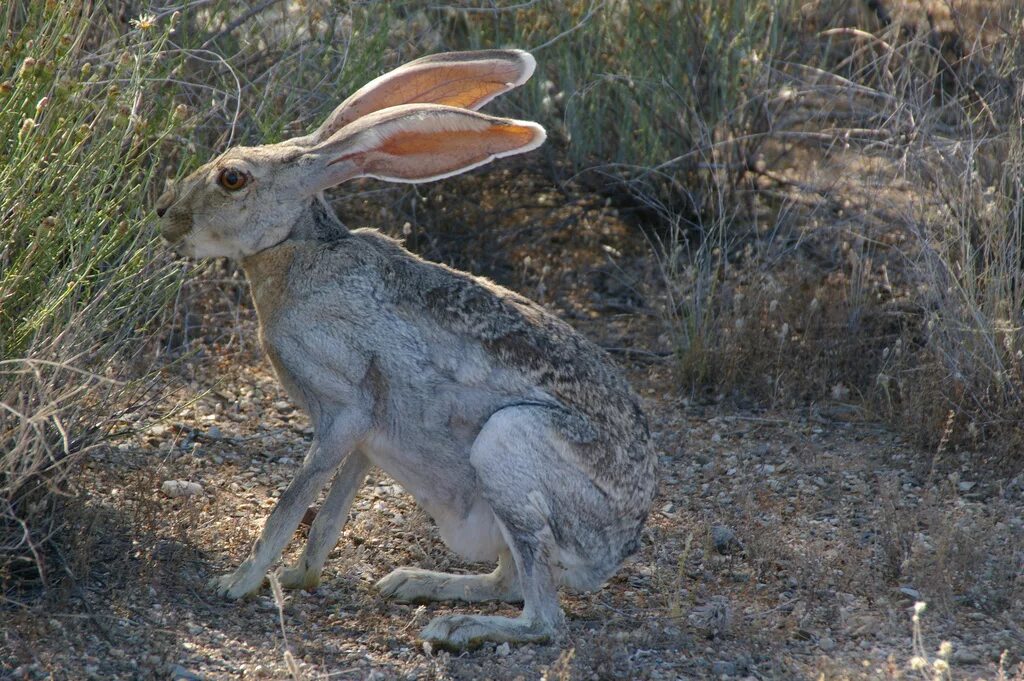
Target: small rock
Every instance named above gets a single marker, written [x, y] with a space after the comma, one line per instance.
[214, 433]
[910, 592]
[724, 539]
[503, 650]
[181, 488]
[826, 644]
[713, 617]
[966, 486]
[179, 673]
[966, 656]
[760, 451]
[723, 668]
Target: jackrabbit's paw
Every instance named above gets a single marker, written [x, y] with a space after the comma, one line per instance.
[237, 584]
[298, 576]
[407, 585]
[465, 632]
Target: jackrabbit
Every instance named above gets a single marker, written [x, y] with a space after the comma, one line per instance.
[512, 431]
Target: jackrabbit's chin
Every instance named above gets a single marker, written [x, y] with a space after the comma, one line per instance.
[203, 246]
[181, 247]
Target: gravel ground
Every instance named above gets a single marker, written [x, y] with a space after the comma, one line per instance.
[779, 547]
[786, 544]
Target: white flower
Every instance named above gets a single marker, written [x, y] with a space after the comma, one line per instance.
[144, 22]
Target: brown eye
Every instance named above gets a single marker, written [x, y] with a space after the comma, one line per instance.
[232, 179]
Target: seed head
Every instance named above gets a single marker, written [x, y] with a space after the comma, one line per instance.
[26, 128]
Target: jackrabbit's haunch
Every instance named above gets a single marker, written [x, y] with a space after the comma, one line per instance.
[515, 434]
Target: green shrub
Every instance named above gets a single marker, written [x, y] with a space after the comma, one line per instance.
[94, 114]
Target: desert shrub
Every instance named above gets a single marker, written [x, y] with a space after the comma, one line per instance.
[635, 122]
[663, 107]
[79, 281]
[966, 381]
[97, 106]
[910, 307]
[953, 115]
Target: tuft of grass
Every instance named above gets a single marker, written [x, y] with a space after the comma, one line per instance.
[664, 133]
[80, 285]
[96, 110]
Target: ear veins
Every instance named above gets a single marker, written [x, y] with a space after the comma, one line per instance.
[492, 140]
[404, 144]
[448, 87]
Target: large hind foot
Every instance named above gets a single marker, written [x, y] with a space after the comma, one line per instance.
[461, 632]
[413, 585]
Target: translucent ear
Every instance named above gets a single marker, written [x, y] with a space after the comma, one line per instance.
[419, 143]
[466, 80]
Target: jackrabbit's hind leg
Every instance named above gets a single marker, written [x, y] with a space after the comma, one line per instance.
[513, 456]
[413, 585]
[327, 526]
[539, 622]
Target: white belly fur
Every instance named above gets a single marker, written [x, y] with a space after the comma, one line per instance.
[475, 535]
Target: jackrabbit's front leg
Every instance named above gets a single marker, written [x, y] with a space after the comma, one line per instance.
[324, 457]
[327, 526]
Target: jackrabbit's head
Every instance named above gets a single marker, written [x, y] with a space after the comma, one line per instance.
[414, 124]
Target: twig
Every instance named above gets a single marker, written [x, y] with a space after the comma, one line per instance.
[582, 22]
[238, 22]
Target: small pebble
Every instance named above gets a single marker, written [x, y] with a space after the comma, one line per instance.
[966, 656]
[181, 488]
[724, 539]
[179, 673]
[910, 592]
[723, 668]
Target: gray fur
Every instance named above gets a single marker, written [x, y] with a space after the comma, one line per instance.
[515, 433]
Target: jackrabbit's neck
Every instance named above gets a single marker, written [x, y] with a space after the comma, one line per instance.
[267, 270]
[318, 223]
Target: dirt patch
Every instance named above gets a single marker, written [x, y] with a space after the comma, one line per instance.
[783, 544]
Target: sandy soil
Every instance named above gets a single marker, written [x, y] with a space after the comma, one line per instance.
[786, 544]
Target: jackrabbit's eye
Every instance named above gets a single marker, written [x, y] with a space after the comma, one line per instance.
[232, 179]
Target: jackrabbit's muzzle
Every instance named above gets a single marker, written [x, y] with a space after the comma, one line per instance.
[176, 223]
[164, 202]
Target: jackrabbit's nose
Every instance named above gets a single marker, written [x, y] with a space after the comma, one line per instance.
[164, 202]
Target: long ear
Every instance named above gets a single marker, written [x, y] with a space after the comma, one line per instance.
[466, 80]
[418, 143]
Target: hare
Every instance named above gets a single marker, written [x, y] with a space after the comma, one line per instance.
[511, 430]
